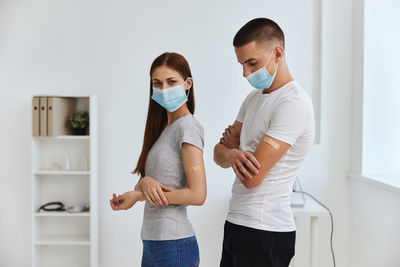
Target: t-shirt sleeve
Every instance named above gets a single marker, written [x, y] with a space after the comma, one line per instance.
[242, 112]
[243, 107]
[289, 121]
[191, 132]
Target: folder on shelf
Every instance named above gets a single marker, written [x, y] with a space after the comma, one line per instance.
[58, 109]
[43, 116]
[35, 116]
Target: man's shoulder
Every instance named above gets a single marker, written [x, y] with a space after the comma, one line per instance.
[296, 95]
[250, 96]
[252, 93]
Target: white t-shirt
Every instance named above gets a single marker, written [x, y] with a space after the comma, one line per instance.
[287, 115]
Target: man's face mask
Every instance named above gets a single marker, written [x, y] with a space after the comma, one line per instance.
[261, 79]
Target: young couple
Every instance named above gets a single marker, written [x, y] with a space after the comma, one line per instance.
[265, 146]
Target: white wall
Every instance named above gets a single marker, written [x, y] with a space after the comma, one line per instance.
[374, 217]
[381, 88]
[106, 48]
[374, 224]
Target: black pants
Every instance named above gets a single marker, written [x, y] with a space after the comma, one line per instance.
[249, 247]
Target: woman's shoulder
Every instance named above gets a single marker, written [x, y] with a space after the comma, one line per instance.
[190, 122]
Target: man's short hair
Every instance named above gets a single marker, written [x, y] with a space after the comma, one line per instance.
[259, 30]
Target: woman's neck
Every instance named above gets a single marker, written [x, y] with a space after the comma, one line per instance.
[180, 112]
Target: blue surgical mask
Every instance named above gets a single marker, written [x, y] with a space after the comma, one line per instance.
[170, 98]
[261, 78]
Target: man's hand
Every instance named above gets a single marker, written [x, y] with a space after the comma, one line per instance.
[231, 137]
[244, 163]
[154, 191]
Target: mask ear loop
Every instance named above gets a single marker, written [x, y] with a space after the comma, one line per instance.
[187, 96]
[276, 68]
[277, 64]
[269, 57]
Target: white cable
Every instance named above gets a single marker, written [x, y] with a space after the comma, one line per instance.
[330, 214]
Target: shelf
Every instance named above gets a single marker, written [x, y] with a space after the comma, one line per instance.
[64, 168]
[63, 240]
[64, 137]
[62, 173]
[61, 214]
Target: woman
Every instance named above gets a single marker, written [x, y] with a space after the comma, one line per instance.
[170, 166]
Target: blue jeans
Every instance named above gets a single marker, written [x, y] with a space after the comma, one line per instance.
[172, 253]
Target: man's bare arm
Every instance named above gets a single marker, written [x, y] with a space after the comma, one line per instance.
[221, 155]
[227, 153]
[230, 139]
[269, 151]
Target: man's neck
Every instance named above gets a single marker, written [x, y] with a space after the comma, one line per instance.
[282, 78]
[276, 85]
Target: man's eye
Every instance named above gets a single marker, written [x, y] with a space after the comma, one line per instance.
[253, 64]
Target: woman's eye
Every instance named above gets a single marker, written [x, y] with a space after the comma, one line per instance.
[157, 84]
[253, 64]
[171, 82]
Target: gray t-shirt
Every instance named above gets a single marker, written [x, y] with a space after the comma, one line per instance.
[164, 163]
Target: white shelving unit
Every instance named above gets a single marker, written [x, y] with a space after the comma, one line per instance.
[64, 168]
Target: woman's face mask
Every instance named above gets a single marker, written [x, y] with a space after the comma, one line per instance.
[261, 79]
[170, 98]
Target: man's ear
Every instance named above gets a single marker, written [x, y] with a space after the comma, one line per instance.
[279, 52]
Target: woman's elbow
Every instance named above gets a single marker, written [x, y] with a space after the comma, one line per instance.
[199, 199]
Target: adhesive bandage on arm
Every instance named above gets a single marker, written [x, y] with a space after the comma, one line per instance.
[196, 168]
[271, 142]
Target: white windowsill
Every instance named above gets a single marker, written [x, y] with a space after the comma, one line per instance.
[387, 182]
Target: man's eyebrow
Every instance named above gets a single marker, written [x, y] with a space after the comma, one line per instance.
[247, 60]
[250, 59]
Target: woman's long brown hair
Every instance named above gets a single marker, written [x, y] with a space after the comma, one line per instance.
[157, 115]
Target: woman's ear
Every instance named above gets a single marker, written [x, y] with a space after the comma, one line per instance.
[188, 83]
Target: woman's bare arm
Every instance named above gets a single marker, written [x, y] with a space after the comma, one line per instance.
[196, 191]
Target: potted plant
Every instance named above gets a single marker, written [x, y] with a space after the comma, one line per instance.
[78, 122]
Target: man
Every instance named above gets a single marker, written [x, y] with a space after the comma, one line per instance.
[265, 146]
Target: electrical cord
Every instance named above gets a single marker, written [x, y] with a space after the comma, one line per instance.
[59, 206]
[330, 214]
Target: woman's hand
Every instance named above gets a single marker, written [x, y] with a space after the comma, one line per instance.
[124, 201]
[154, 191]
[137, 187]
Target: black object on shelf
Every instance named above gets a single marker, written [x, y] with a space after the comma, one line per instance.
[52, 206]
